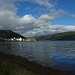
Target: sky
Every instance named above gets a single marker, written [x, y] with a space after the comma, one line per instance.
[32, 18]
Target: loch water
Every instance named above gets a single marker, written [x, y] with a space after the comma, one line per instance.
[53, 54]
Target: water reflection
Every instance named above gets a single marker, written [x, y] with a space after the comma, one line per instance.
[57, 54]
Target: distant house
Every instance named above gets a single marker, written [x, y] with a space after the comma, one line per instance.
[17, 39]
[20, 39]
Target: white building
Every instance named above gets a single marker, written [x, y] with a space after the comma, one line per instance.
[20, 39]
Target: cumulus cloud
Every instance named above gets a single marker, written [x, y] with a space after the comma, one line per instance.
[7, 5]
[49, 29]
[8, 20]
[29, 26]
[41, 26]
[46, 18]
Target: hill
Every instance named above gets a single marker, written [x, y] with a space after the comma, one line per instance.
[59, 36]
[7, 34]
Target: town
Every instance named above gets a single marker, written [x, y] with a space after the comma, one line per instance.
[20, 39]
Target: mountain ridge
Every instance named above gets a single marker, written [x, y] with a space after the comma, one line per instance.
[7, 34]
[59, 36]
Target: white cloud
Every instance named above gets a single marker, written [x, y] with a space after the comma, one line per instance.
[27, 19]
[57, 13]
[29, 26]
[8, 20]
[8, 5]
[46, 17]
[44, 3]
[73, 15]
[49, 30]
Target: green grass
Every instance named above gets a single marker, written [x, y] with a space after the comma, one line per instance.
[7, 34]
[7, 68]
[59, 36]
[16, 65]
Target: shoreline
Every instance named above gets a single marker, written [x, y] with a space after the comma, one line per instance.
[30, 65]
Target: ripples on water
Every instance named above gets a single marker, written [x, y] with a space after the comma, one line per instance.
[55, 54]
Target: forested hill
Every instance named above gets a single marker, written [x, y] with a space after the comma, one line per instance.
[9, 34]
[59, 36]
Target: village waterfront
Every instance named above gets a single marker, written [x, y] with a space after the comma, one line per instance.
[18, 39]
[52, 54]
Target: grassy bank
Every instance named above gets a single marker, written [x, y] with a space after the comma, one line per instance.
[16, 65]
[7, 68]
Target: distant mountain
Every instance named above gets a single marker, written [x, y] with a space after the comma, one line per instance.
[9, 34]
[59, 36]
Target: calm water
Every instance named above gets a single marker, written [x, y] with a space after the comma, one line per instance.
[55, 54]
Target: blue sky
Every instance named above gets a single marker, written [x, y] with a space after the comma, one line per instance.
[26, 7]
[37, 17]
